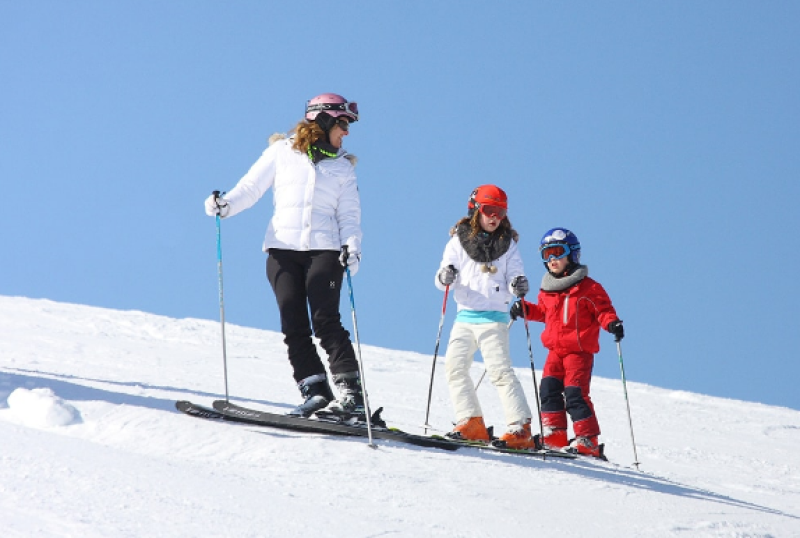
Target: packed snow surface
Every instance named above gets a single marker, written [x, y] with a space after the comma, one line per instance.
[92, 446]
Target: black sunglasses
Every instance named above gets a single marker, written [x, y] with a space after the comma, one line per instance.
[344, 125]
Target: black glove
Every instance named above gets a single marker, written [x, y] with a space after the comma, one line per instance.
[447, 275]
[519, 286]
[516, 310]
[615, 328]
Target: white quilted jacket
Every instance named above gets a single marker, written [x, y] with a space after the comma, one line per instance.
[316, 207]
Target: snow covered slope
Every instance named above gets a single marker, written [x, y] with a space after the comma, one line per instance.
[91, 446]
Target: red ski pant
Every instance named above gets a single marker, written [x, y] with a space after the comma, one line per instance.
[565, 389]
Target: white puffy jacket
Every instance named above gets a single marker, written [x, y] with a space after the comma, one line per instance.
[316, 207]
[474, 289]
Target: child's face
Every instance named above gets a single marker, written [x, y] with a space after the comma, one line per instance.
[557, 266]
[490, 224]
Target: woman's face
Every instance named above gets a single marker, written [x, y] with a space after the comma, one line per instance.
[339, 130]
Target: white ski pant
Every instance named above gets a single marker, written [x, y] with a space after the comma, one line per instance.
[492, 341]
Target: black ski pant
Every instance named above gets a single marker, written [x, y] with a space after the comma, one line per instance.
[311, 280]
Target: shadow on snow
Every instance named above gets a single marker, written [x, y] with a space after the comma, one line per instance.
[70, 388]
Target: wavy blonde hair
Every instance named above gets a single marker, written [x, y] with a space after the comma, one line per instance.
[306, 133]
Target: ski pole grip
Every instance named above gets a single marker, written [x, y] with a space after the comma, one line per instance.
[217, 197]
[344, 257]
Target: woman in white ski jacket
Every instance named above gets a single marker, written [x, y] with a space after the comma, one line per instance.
[314, 232]
[483, 266]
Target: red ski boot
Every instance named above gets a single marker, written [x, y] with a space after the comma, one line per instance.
[554, 439]
[588, 446]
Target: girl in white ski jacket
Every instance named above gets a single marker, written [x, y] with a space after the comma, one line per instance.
[313, 235]
[482, 265]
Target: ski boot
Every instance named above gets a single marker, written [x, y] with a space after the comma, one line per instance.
[554, 439]
[349, 406]
[517, 437]
[317, 394]
[470, 429]
[588, 446]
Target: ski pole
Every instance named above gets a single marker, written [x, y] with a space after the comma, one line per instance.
[221, 300]
[627, 403]
[358, 352]
[435, 353]
[478, 384]
[533, 369]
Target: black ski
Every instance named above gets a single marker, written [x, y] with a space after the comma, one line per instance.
[228, 411]
[198, 410]
[224, 410]
[495, 446]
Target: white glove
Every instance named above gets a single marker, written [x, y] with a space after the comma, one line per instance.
[447, 275]
[350, 260]
[216, 205]
[519, 286]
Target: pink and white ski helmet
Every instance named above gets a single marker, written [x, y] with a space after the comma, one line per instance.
[335, 105]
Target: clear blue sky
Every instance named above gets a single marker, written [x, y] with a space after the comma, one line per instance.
[666, 135]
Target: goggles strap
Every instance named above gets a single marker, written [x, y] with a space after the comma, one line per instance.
[566, 252]
[345, 107]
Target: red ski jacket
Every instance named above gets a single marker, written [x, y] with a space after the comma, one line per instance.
[573, 317]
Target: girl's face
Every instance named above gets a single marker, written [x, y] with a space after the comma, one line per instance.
[339, 130]
[557, 266]
[490, 224]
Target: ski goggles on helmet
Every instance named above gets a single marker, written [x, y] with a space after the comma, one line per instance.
[554, 251]
[493, 211]
[346, 107]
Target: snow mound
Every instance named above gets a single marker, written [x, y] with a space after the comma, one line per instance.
[41, 408]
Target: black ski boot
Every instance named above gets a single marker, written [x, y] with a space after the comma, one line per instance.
[350, 404]
[317, 394]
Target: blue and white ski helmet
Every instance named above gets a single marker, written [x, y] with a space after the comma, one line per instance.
[565, 238]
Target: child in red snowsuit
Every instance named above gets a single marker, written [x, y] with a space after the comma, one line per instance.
[573, 308]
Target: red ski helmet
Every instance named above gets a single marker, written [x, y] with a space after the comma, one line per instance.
[333, 104]
[490, 195]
